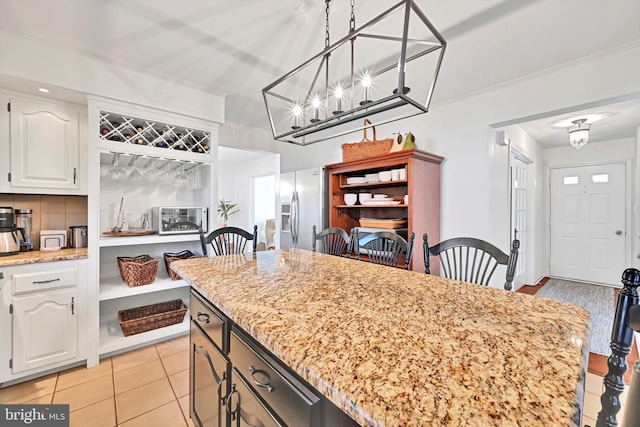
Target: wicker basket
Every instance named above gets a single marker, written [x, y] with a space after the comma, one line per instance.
[367, 147]
[169, 257]
[138, 270]
[142, 319]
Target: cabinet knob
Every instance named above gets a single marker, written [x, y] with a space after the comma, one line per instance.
[202, 317]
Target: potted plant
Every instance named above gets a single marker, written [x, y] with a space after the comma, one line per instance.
[225, 210]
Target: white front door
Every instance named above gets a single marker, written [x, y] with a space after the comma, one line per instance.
[588, 223]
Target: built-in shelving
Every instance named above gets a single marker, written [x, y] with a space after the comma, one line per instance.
[161, 146]
[147, 240]
[114, 288]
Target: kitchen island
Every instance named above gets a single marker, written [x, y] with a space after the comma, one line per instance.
[391, 347]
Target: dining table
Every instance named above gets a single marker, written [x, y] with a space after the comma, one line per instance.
[392, 347]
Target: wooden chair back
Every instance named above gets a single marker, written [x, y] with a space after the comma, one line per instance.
[335, 241]
[385, 248]
[231, 240]
[187, 225]
[471, 260]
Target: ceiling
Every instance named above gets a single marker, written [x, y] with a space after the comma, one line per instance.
[239, 47]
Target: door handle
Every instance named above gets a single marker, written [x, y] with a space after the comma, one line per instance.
[619, 232]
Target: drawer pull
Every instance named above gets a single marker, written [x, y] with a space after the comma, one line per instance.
[229, 399]
[267, 384]
[202, 317]
[40, 282]
[220, 396]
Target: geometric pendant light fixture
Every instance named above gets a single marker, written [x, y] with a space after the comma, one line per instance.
[579, 133]
[384, 70]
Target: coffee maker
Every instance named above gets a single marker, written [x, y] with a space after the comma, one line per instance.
[10, 240]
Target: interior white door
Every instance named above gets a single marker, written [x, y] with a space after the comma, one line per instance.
[588, 227]
[519, 217]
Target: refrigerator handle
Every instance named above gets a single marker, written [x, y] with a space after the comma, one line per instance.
[294, 218]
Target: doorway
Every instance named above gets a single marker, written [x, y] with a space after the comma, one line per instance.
[587, 223]
[519, 229]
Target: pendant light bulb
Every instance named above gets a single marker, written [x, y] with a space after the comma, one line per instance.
[315, 102]
[366, 83]
[338, 92]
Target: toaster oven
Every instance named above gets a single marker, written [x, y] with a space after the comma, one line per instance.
[165, 216]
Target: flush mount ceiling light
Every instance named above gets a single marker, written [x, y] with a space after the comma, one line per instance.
[579, 133]
[381, 71]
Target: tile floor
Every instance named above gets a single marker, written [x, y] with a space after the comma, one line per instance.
[145, 387]
[150, 387]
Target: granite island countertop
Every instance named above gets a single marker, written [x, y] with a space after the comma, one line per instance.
[34, 257]
[399, 348]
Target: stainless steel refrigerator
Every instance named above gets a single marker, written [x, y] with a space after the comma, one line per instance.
[303, 204]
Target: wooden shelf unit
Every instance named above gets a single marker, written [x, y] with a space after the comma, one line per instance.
[422, 185]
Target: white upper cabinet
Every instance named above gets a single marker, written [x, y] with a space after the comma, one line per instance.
[41, 146]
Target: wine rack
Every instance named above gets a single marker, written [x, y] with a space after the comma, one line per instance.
[131, 130]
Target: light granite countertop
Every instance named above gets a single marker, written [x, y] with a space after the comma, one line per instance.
[34, 257]
[400, 348]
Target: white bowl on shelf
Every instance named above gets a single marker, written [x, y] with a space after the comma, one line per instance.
[379, 196]
[350, 199]
[363, 197]
[385, 176]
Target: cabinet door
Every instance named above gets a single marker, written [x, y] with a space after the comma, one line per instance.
[44, 145]
[45, 329]
[208, 384]
[245, 408]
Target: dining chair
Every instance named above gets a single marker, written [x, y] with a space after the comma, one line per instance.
[471, 260]
[231, 240]
[334, 241]
[626, 320]
[385, 248]
[188, 225]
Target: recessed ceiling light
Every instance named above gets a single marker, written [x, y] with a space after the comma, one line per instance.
[43, 90]
[588, 118]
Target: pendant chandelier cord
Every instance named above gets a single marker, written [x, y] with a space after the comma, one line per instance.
[326, 36]
[352, 21]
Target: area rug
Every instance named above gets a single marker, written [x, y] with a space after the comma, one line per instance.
[598, 300]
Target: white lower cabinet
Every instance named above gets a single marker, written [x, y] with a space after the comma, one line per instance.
[45, 329]
[43, 318]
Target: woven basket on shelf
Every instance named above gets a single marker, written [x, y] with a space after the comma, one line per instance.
[141, 319]
[367, 147]
[138, 270]
[169, 257]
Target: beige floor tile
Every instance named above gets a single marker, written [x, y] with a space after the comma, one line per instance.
[166, 415]
[176, 362]
[85, 394]
[173, 346]
[594, 383]
[81, 374]
[591, 405]
[101, 414]
[184, 405]
[29, 390]
[143, 399]
[138, 376]
[180, 383]
[586, 421]
[42, 400]
[134, 358]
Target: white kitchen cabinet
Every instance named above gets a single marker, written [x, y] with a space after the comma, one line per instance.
[141, 138]
[44, 150]
[45, 329]
[43, 317]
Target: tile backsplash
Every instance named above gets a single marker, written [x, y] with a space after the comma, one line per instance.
[50, 212]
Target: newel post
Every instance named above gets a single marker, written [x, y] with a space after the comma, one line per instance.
[621, 340]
